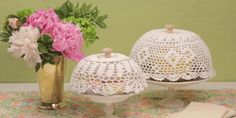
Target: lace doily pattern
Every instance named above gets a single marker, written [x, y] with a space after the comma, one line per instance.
[173, 56]
[107, 76]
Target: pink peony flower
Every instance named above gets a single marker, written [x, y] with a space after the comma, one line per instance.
[45, 20]
[68, 40]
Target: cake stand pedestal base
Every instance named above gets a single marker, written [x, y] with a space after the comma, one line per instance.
[171, 101]
[108, 101]
[109, 111]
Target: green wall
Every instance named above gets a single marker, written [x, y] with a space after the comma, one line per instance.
[213, 20]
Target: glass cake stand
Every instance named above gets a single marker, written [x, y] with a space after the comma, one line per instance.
[171, 100]
[108, 101]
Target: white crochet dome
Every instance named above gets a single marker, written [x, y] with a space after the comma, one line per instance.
[173, 55]
[108, 74]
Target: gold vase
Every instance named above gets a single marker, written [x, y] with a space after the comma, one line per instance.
[51, 83]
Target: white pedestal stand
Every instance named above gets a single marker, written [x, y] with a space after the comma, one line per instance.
[171, 100]
[108, 100]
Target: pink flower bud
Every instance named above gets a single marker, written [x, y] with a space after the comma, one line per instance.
[14, 23]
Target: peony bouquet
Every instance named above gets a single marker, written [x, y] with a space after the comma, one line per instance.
[38, 36]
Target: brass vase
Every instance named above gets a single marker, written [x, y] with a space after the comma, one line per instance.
[51, 83]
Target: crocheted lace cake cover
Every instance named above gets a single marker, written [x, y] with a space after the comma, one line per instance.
[173, 55]
[98, 75]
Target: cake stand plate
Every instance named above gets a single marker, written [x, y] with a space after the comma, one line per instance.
[171, 100]
[108, 101]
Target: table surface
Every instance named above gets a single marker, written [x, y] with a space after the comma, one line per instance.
[21, 100]
[67, 86]
[145, 105]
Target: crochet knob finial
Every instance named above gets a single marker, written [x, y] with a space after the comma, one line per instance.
[169, 28]
[107, 52]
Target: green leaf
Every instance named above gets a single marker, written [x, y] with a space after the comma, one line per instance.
[69, 6]
[101, 24]
[5, 36]
[23, 20]
[88, 7]
[22, 14]
[44, 44]
[83, 7]
[7, 28]
[22, 55]
[102, 18]
[42, 49]
[12, 16]
[4, 40]
[64, 9]
[51, 61]
[59, 13]
[37, 67]
[46, 51]
[47, 39]
[96, 12]
[85, 16]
